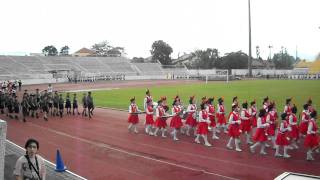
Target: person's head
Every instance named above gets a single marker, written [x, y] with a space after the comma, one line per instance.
[235, 108]
[270, 107]
[288, 101]
[313, 114]
[160, 102]
[202, 106]
[204, 100]
[294, 109]
[68, 94]
[306, 106]
[309, 101]
[32, 147]
[148, 92]
[191, 100]
[245, 105]
[235, 99]
[220, 101]
[266, 100]
[133, 100]
[210, 100]
[283, 116]
[262, 112]
[89, 93]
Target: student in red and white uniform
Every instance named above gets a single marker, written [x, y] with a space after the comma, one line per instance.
[294, 133]
[283, 137]
[133, 118]
[176, 122]
[312, 139]
[288, 106]
[221, 116]
[245, 117]
[191, 121]
[161, 123]
[211, 114]
[147, 99]
[265, 103]
[203, 122]
[272, 117]
[149, 117]
[234, 128]
[309, 102]
[253, 112]
[260, 136]
[234, 101]
[303, 127]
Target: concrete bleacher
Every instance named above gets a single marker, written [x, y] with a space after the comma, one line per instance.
[149, 68]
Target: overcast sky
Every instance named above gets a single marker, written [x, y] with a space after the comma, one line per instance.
[186, 25]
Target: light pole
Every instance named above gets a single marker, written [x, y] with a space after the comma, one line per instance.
[270, 51]
[249, 58]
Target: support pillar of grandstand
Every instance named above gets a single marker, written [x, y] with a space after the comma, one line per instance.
[3, 133]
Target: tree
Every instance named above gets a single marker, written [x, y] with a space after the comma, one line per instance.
[233, 60]
[137, 60]
[204, 59]
[50, 51]
[283, 60]
[64, 51]
[161, 52]
[102, 48]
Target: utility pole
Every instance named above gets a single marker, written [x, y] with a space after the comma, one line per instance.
[270, 52]
[249, 58]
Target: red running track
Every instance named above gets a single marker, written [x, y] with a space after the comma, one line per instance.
[102, 148]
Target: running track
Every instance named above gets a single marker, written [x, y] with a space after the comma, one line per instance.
[102, 148]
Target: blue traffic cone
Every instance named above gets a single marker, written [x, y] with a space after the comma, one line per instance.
[59, 163]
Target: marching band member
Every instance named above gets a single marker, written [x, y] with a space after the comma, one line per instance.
[235, 101]
[234, 128]
[294, 133]
[161, 123]
[282, 137]
[203, 126]
[147, 98]
[149, 117]
[288, 107]
[176, 122]
[221, 116]
[253, 112]
[211, 114]
[260, 136]
[191, 118]
[303, 127]
[265, 103]
[272, 120]
[312, 139]
[245, 122]
[133, 118]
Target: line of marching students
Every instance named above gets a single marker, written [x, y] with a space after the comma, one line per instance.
[46, 102]
[260, 127]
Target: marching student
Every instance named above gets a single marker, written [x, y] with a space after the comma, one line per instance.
[234, 128]
[60, 104]
[202, 129]
[312, 139]
[288, 106]
[149, 117]
[235, 101]
[16, 107]
[303, 126]
[260, 136]
[294, 133]
[221, 116]
[176, 122]
[56, 104]
[44, 107]
[272, 117]
[146, 99]
[68, 103]
[90, 104]
[245, 126]
[133, 118]
[50, 103]
[84, 104]
[25, 107]
[191, 121]
[161, 114]
[282, 137]
[211, 113]
[75, 104]
[265, 103]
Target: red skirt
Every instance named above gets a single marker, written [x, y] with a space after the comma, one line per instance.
[133, 118]
[161, 123]
[282, 139]
[202, 128]
[260, 135]
[176, 122]
[149, 119]
[271, 130]
[221, 119]
[191, 121]
[294, 133]
[234, 130]
[254, 121]
[303, 128]
[245, 125]
[213, 121]
[311, 141]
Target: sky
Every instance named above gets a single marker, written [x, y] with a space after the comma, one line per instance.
[186, 25]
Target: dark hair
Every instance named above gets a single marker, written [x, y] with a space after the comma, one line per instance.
[262, 112]
[202, 106]
[29, 141]
[245, 105]
[294, 109]
[234, 107]
[313, 114]
[305, 107]
[283, 116]
[270, 107]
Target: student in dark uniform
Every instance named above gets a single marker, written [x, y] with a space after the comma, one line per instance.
[25, 107]
[16, 107]
[75, 104]
[44, 107]
[32, 102]
[68, 103]
[61, 101]
[84, 104]
[9, 104]
[90, 104]
[55, 103]
[20, 84]
[1, 102]
[50, 103]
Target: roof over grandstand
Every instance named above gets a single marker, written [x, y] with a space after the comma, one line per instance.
[85, 50]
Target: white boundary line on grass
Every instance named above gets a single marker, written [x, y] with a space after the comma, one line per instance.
[49, 162]
[134, 154]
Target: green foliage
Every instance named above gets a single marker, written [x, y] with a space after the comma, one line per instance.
[233, 60]
[283, 60]
[204, 59]
[137, 60]
[50, 51]
[161, 51]
[64, 51]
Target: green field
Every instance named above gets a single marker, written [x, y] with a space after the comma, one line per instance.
[277, 90]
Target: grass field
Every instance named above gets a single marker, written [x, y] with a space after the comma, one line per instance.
[277, 90]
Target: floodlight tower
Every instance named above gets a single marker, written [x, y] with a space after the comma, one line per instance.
[249, 58]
